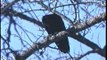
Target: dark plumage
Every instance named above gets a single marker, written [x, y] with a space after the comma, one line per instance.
[53, 23]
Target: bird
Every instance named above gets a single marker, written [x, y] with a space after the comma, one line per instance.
[53, 23]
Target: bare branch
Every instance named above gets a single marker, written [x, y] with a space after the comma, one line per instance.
[8, 5]
[22, 16]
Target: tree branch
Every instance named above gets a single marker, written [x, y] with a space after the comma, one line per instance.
[8, 6]
[22, 16]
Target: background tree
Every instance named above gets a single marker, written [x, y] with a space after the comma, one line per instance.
[23, 35]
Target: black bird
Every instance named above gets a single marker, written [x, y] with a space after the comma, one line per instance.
[53, 24]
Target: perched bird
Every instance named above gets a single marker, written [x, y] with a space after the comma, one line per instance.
[53, 24]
